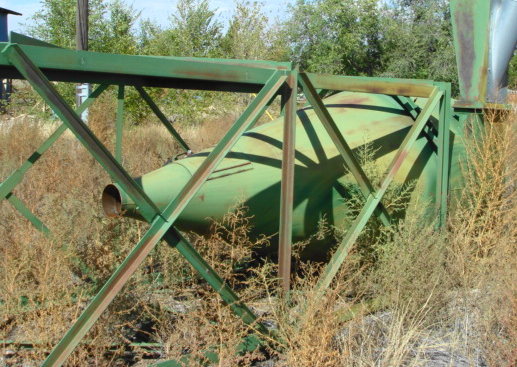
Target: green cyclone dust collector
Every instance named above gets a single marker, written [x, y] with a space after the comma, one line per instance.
[251, 172]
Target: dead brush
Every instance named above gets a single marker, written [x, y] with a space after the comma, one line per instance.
[208, 325]
[483, 232]
[46, 282]
[459, 283]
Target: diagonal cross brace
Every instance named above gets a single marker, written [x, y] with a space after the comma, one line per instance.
[163, 119]
[20, 206]
[373, 201]
[161, 227]
[16, 177]
[344, 149]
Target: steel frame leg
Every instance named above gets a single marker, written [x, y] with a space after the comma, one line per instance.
[119, 134]
[374, 199]
[344, 149]
[16, 177]
[161, 223]
[442, 184]
[287, 183]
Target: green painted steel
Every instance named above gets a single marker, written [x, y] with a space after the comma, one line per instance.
[20, 206]
[309, 158]
[59, 64]
[252, 170]
[149, 211]
[373, 200]
[159, 229]
[17, 176]
[442, 182]
[471, 22]
[344, 149]
[388, 86]
[119, 126]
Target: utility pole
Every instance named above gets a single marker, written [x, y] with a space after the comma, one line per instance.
[81, 40]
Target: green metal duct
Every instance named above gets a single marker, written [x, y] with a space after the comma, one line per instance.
[485, 38]
[252, 170]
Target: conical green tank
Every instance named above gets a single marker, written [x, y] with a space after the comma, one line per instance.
[251, 172]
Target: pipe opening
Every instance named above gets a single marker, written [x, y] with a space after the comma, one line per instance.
[112, 201]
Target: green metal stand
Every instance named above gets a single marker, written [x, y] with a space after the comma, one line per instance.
[161, 223]
[341, 144]
[374, 199]
[164, 120]
[35, 63]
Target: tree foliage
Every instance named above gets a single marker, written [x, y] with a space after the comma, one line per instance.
[395, 38]
[334, 36]
[111, 25]
[193, 31]
[419, 42]
[402, 38]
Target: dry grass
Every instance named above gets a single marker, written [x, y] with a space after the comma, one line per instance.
[430, 292]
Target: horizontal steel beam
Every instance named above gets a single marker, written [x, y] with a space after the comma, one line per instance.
[389, 86]
[149, 210]
[170, 72]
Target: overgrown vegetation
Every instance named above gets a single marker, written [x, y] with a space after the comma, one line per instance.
[405, 295]
[415, 294]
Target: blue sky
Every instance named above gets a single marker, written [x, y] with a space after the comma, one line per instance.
[157, 10]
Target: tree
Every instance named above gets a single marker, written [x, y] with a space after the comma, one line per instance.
[419, 42]
[55, 22]
[247, 34]
[196, 32]
[110, 25]
[120, 24]
[334, 36]
[193, 31]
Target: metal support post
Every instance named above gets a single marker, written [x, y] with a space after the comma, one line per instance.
[287, 184]
[374, 199]
[341, 144]
[442, 184]
[120, 123]
[163, 119]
